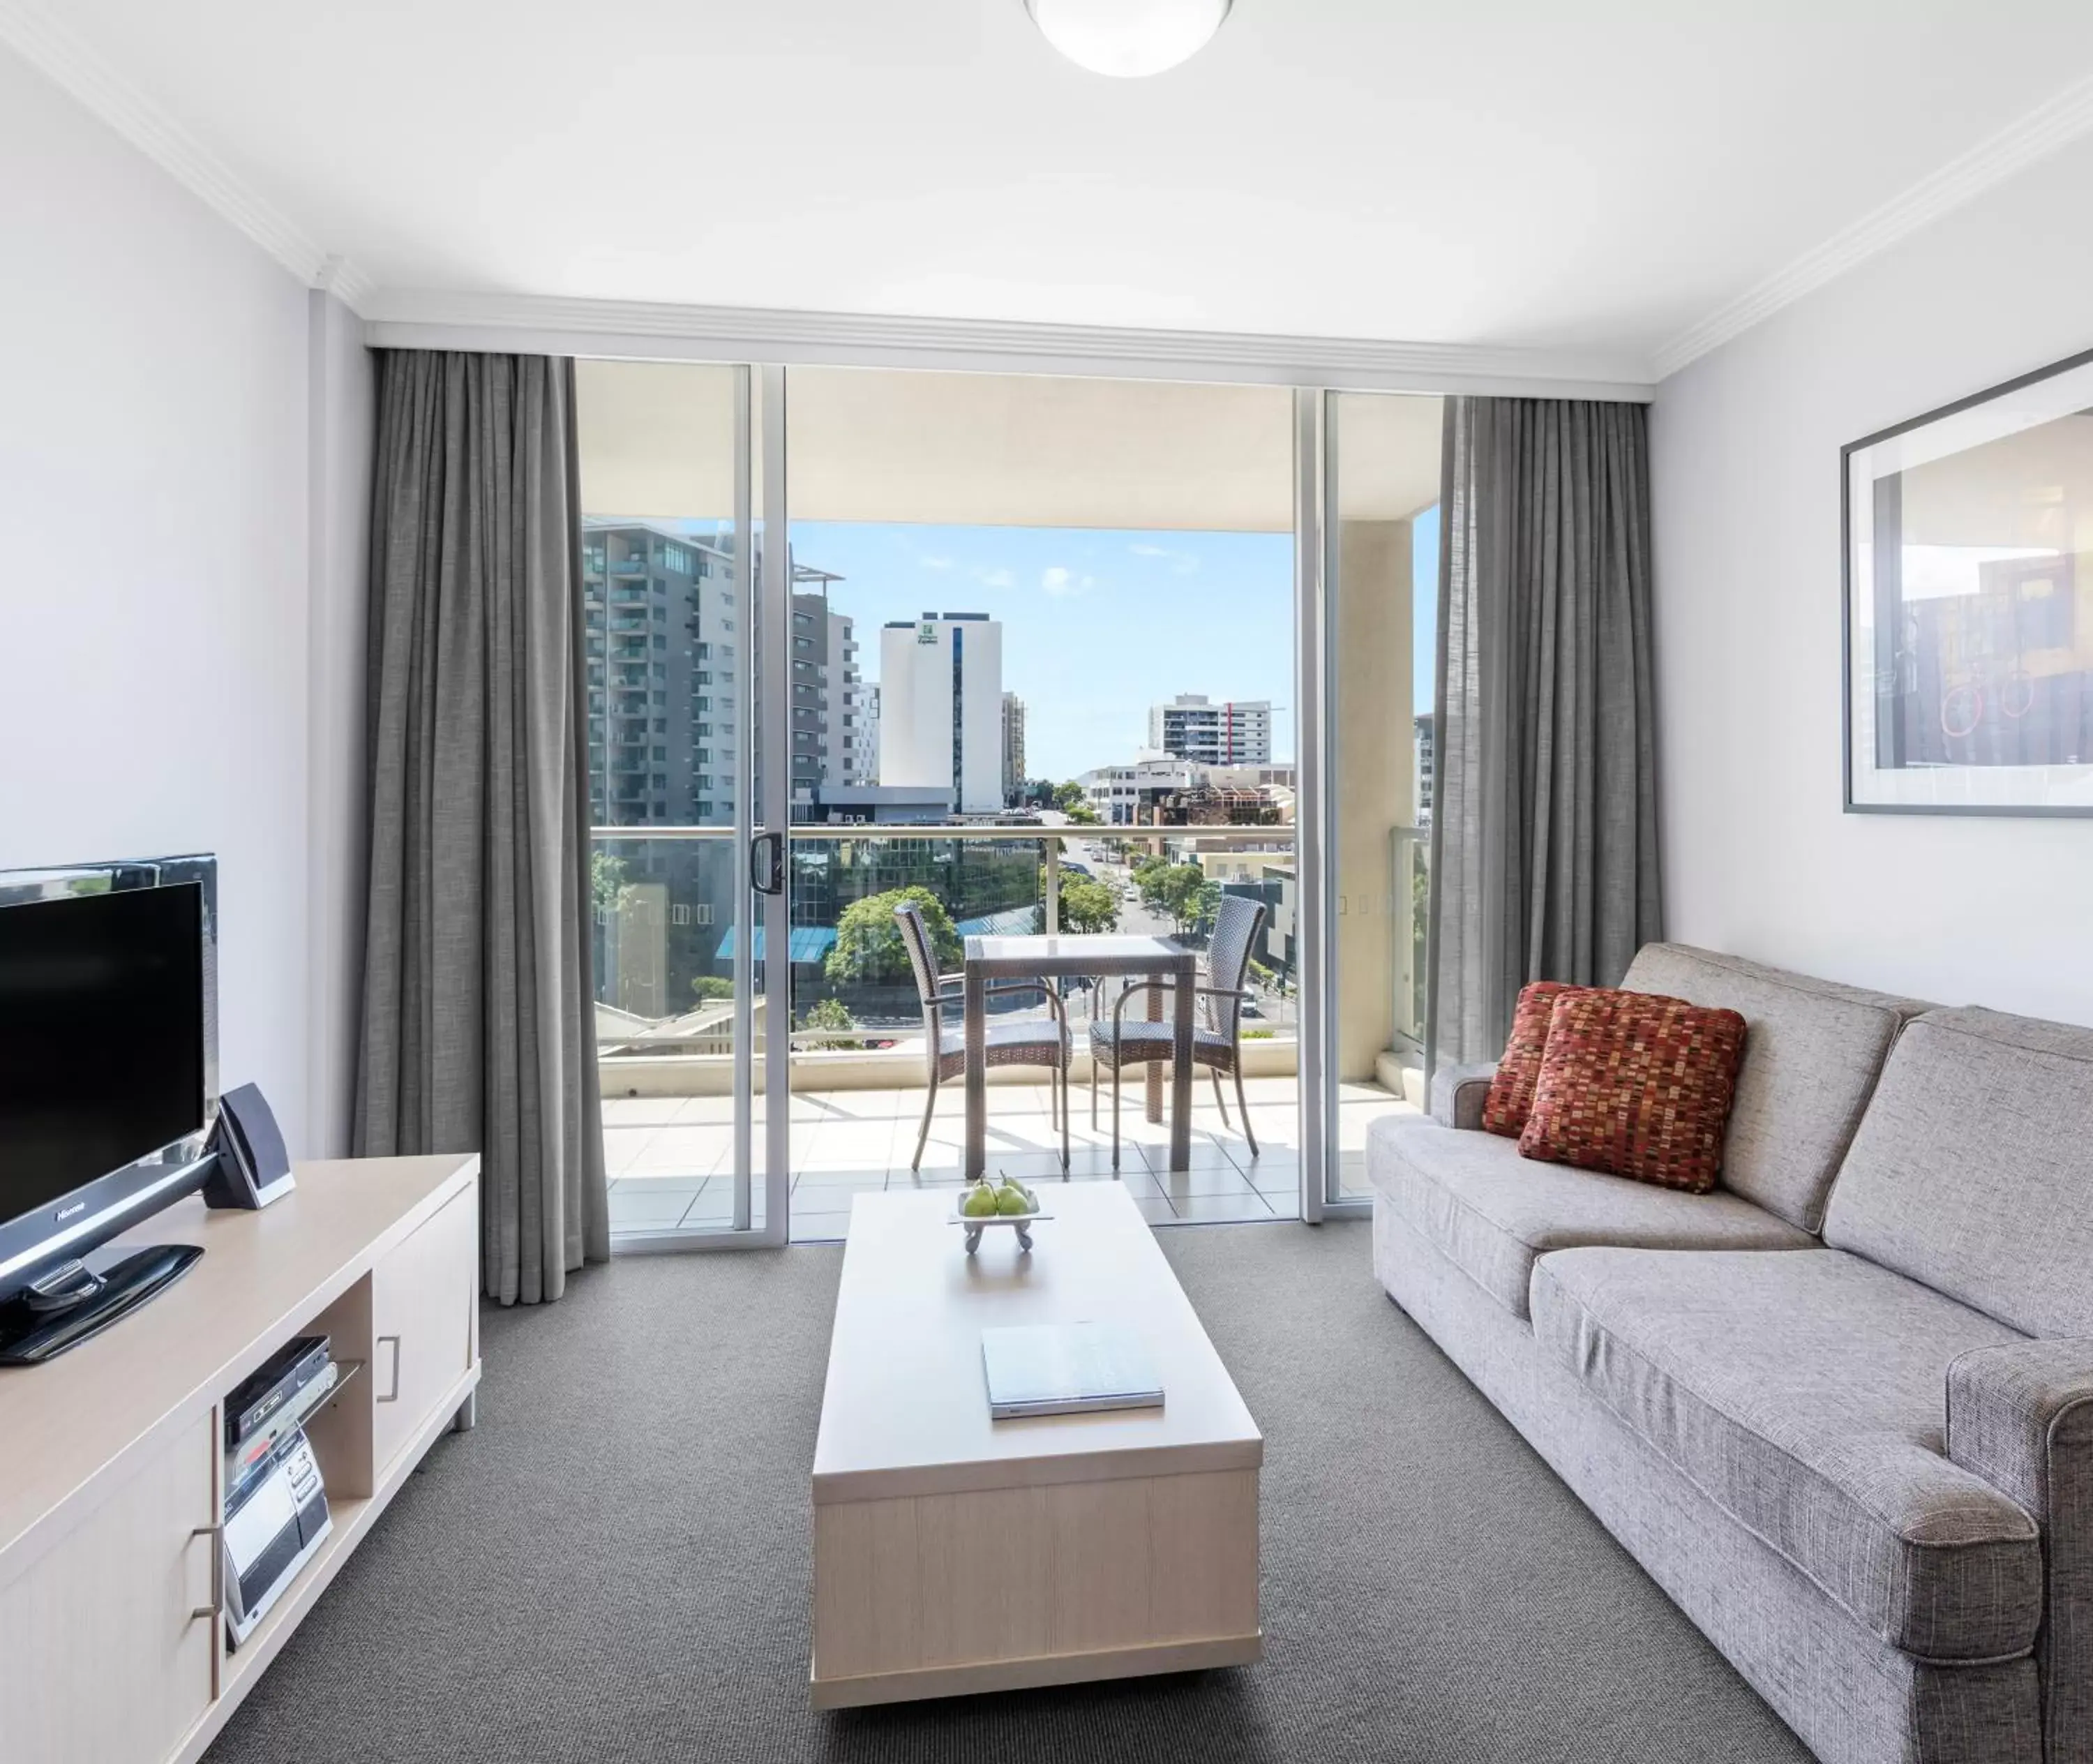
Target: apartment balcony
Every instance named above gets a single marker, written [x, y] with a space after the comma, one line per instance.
[670, 1159]
[859, 1074]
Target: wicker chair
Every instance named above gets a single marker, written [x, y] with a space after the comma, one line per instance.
[1214, 1042]
[1028, 1044]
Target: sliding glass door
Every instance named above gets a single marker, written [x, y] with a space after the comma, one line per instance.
[672, 592]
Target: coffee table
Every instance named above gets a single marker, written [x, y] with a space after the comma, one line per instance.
[954, 1553]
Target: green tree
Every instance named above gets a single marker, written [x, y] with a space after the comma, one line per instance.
[869, 946]
[830, 1013]
[1088, 906]
[1179, 892]
[1083, 815]
[1070, 796]
[1152, 875]
[709, 987]
[606, 882]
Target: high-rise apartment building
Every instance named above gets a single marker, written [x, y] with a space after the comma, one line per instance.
[1427, 765]
[1192, 727]
[660, 635]
[941, 707]
[1013, 749]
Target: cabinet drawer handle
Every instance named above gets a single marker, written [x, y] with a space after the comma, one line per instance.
[216, 1534]
[391, 1395]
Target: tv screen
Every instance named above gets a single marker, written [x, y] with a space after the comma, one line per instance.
[102, 1036]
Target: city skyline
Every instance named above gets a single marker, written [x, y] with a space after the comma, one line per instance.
[1187, 612]
[1208, 613]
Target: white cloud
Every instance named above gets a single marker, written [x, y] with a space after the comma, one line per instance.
[996, 579]
[1061, 584]
[1182, 563]
[931, 561]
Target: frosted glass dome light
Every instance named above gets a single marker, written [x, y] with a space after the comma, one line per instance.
[1128, 39]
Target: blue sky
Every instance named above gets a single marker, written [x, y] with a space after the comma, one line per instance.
[1097, 624]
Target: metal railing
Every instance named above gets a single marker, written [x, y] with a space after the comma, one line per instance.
[1277, 841]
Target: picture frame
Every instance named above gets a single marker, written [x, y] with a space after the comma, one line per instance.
[1966, 583]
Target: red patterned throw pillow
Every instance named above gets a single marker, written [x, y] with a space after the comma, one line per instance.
[1512, 1087]
[1637, 1086]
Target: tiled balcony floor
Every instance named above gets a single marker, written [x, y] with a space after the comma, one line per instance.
[670, 1157]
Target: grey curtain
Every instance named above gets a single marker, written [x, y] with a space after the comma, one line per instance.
[478, 1024]
[1544, 833]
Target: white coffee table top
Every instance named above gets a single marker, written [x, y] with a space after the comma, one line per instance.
[905, 1410]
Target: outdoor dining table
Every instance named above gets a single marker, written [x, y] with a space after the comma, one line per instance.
[1052, 957]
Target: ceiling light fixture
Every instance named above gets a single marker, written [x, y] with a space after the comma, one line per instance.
[1128, 39]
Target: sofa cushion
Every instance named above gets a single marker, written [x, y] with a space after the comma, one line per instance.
[1511, 1085]
[1973, 1170]
[1635, 1086]
[1812, 1055]
[1806, 1395]
[1491, 1212]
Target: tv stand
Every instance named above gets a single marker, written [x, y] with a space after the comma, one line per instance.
[112, 1457]
[78, 1303]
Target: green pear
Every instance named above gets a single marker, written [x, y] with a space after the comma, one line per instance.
[1011, 1200]
[980, 1202]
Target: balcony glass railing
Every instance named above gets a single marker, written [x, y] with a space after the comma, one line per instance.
[663, 925]
[1410, 893]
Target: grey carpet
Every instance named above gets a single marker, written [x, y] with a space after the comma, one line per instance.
[613, 1565]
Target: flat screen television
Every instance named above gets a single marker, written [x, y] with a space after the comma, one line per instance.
[108, 1053]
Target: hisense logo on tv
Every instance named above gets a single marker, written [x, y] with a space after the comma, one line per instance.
[65, 1213]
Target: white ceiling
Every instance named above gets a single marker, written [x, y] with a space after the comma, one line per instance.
[1592, 178]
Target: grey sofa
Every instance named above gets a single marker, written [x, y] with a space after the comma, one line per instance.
[1841, 1409]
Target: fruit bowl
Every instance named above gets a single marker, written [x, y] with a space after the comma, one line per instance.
[975, 1223]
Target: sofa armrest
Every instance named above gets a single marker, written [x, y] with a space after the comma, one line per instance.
[2021, 1416]
[1459, 1093]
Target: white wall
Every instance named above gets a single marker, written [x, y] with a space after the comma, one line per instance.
[1759, 858]
[155, 557]
[342, 419]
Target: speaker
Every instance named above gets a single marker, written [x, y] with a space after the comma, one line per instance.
[252, 1168]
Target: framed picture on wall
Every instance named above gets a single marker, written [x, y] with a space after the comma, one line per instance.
[1969, 618]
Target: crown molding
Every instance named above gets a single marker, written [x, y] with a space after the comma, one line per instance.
[2042, 132]
[81, 72]
[433, 318]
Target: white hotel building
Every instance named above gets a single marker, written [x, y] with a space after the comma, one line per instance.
[941, 708]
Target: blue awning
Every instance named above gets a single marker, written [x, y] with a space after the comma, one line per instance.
[809, 943]
[812, 943]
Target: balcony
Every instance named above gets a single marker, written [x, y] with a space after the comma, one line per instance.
[665, 1028]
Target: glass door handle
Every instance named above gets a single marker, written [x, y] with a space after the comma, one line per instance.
[766, 863]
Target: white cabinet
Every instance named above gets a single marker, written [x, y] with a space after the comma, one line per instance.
[106, 1659]
[111, 1456]
[423, 1298]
